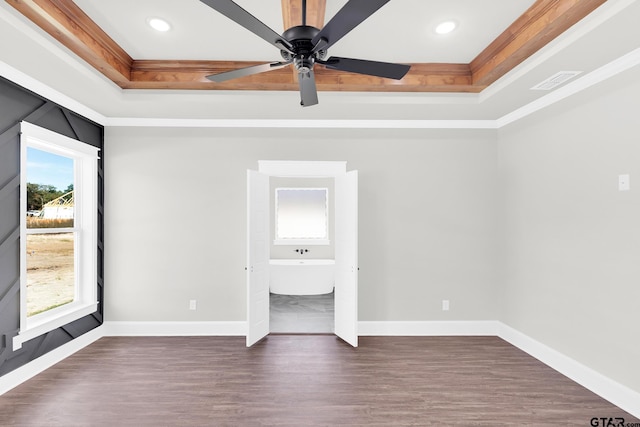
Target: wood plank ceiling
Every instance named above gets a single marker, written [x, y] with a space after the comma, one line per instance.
[67, 23]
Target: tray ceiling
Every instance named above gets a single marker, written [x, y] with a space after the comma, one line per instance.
[493, 37]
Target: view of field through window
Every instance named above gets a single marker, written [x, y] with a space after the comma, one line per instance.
[50, 271]
[50, 252]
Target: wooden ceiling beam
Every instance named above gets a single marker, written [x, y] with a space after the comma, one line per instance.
[292, 13]
[542, 22]
[67, 23]
[192, 75]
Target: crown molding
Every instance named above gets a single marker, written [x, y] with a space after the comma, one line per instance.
[617, 66]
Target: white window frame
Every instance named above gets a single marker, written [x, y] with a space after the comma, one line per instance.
[312, 241]
[85, 228]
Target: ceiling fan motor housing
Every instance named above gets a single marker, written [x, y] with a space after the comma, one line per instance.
[304, 45]
[303, 56]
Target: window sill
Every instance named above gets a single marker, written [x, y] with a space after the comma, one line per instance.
[48, 323]
[307, 242]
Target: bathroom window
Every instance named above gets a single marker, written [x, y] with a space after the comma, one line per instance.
[58, 231]
[302, 216]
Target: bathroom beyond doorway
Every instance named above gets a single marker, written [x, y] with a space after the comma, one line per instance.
[302, 313]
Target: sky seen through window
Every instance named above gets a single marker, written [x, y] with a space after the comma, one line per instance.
[49, 169]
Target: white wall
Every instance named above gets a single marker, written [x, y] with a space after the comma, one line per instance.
[176, 209]
[572, 240]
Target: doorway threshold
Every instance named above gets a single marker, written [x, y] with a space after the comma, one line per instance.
[302, 333]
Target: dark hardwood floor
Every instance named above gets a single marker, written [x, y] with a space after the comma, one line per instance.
[302, 380]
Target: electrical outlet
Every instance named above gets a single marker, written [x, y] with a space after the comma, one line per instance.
[445, 305]
[193, 304]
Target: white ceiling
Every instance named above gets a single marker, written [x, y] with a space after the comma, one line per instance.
[392, 34]
[401, 31]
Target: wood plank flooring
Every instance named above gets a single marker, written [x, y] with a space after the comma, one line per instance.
[302, 380]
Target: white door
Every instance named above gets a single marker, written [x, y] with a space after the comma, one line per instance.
[257, 256]
[346, 252]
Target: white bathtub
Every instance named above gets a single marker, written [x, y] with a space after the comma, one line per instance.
[301, 276]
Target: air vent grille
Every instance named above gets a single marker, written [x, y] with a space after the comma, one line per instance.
[556, 80]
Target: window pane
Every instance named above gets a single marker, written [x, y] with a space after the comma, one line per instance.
[50, 196]
[301, 213]
[50, 271]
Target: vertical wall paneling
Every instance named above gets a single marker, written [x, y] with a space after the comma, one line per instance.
[18, 104]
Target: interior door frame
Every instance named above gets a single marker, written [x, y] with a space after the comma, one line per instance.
[302, 169]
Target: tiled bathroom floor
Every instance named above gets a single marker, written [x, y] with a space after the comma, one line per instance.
[301, 313]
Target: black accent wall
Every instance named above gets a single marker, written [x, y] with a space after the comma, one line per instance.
[17, 104]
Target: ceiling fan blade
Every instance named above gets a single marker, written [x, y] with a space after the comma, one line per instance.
[234, 12]
[371, 68]
[350, 16]
[247, 71]
[308, 91]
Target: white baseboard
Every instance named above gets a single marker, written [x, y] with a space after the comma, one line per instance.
[616, 393]
[33, 368]
[239, 328]
[433, 328]
[113, 328]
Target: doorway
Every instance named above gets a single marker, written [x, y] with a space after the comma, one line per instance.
[301, 273]
[346, 243]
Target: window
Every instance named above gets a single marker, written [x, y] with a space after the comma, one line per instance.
[302, 216]
[58, 232]
[50, 231]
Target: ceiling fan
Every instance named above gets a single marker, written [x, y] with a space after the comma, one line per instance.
[304, 45]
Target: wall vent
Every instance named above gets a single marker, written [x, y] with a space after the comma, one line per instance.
[556, 80]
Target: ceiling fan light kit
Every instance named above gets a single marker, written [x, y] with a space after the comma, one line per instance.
[304, 45]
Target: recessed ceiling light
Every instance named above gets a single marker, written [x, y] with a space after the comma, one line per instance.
[445, 27]
[159, 24]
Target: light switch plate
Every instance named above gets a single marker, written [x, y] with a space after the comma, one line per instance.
[624, 183]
